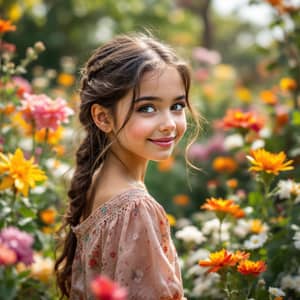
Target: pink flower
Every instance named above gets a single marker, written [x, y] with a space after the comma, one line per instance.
[45, 112]
[23, 86]
[207, 56]
[18, 241]
[105, 289]
[7, 256]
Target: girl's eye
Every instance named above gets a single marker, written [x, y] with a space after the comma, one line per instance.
[146, 109]
[178, 106]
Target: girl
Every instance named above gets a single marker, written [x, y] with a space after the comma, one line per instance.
[133, 94]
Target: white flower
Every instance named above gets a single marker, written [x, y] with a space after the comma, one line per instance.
[255, 241]
[276, 292]
[265, 132]
[296, 239]
[233, 141]
[212, 227]
[289, 188]
[182, 222]
[191, 234]
[200, 254]
[258, 144]
[287, 282]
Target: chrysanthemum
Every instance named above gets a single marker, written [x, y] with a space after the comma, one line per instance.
[6, 26]
[19, 172]
[249, 267]
[218, 260]
[223, 206]
[271, 163]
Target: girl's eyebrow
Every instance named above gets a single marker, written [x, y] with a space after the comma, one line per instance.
[153, 98]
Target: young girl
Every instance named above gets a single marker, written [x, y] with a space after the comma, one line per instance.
[133, 96]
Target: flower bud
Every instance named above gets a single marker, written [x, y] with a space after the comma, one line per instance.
[39, 47]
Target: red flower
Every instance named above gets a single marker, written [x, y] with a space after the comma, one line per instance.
[105, 289]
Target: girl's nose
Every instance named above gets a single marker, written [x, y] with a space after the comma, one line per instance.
[167, 123]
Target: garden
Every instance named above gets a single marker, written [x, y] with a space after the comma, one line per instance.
[234, 216]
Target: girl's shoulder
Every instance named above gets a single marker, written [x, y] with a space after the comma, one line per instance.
[118, 205]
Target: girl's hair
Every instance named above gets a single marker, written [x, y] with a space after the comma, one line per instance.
[111, 72]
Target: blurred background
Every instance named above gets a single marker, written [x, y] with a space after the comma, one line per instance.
[244, 56]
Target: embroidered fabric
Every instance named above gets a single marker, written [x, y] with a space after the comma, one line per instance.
[128, 239]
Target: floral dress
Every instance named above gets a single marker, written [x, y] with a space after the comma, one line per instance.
[127, 239]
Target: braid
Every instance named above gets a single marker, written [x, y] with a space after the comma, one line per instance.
[87, 160]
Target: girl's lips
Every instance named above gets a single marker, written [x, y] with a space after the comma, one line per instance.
[163, 142]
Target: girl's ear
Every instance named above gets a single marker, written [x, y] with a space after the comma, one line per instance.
[102, 117]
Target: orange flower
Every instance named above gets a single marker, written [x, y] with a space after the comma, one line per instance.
[268, 97]
[271, 163]
[232, 183]
[236, 118]
[249, 267]
[218, 260]
[288, 84]
[275, 2]
[166, 165]
[53, 135]
[240, 255]
[48, 216]
[223, 206]
[224, 164]
[6, 26]
[65, 79]
[256, 226]
[181, 199]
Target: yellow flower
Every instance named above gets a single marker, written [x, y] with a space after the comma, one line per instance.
[288, 84]
[271, 163]
[256, 226]
[243, 94]
[65, 79]
[15, 12]
[53, 135]
[171, 219]
[19, 172]
[268, 97]
[224, 72]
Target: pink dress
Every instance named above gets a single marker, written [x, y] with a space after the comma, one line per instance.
[127, 239]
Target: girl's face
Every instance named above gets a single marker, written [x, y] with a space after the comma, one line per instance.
[158, 119]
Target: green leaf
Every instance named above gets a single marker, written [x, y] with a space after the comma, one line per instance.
[296, 118]
[254, 198]
[27, 212]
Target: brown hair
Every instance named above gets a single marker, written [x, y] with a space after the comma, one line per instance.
[112, 71]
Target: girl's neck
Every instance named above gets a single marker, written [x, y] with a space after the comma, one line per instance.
[120, 169]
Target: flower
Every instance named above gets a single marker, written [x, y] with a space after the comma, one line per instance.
[256, 226]
[45, 112]
[249, 267]
[224, 164]
[243, 94]
[18, 241]
[218, 260]
[52, 138]
[223, 206]
[181, 200]
[256, 241]
[171, 219]
[6, 26]
[105, 289]
[224, 72]
[296, 239]
[288, 84]
[166, 165]
[190, 234]
[240, 255]
[7, 256]
[233, 141]
[271, 163]
[237, 119]
[288, 188]
[19, 172]
[268, 97]
[66, 79]
[276, 292]
[42, 268]
[48, 215]
[232, 183]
